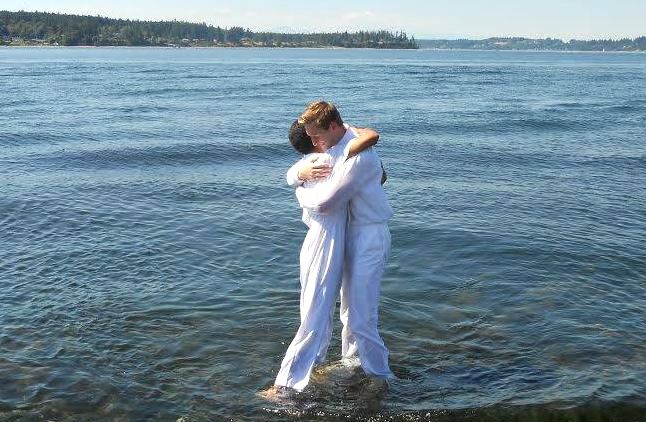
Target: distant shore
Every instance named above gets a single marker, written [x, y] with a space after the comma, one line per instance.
[534, 44]
[30, 44]
[520, 50]
[243, 44]
[52, 29]
[41, 28]
[47, 46]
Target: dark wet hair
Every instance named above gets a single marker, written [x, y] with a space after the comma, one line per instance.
[299, 139]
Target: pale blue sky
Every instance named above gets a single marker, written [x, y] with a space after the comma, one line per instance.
[581, 19]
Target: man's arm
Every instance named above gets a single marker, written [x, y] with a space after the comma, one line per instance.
[384, 176]
[365, 139]
[292, 174]
[303, 171]
[306, 169]
[339, 189]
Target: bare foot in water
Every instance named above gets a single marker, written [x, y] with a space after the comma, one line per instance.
[274, 393]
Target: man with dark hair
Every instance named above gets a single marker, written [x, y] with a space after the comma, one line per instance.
[299, 138]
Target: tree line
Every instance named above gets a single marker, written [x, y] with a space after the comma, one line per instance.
[518, 43]
[41, 28]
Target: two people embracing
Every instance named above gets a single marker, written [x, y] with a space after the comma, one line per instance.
[339, 187]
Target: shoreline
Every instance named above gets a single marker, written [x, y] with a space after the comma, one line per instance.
[332, 47]
[317, 48]
[534, 51]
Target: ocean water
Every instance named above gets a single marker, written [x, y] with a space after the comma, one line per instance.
[149, 245]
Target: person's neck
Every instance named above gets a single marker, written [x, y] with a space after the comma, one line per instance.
[342, 131]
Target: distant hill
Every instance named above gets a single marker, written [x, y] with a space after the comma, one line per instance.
[626, 44]
[39, 28]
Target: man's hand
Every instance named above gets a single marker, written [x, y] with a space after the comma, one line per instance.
[313, 171]
[384, 176]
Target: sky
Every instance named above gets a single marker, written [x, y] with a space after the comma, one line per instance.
[564, 19]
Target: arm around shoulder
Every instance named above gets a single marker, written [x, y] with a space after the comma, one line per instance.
[292, 174]
[365, 139]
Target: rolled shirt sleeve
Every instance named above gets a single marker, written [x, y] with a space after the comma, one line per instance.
[292, 174]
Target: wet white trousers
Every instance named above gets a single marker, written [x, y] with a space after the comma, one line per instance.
[321, 268]
[367, 249]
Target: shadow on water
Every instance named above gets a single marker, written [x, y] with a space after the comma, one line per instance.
[593, 413]
[305, 409]
[342, 392]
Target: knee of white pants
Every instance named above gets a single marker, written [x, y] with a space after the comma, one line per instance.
[362, 327]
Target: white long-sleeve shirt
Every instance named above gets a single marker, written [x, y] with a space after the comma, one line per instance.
[336, 154]
[356, 182]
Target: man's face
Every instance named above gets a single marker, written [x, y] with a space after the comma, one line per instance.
[322, 138]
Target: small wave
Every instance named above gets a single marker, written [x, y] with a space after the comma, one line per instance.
[637, 102]
[29, 74]
[470, 70]
[629, 162]
[172, 90]
[33, 138]
[571, 105]
[415, 72]
[486, 125]
[141, 109]
[547, 124]
[623, 108]
[628, 106]
[202, 77]
[20, 102]
[488, 82]
[168, 91]
[164, 71]
[173, 155]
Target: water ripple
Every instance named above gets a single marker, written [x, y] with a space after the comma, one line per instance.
[149, 256]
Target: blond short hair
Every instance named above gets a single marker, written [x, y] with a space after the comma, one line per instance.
[321, 114]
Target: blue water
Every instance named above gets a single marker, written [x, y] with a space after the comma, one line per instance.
[149, 245]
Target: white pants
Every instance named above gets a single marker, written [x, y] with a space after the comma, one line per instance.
[367, 248]
[321, 262]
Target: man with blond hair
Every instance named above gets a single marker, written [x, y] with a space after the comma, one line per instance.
[351, 209]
